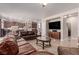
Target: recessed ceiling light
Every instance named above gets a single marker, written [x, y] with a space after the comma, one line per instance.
[65, 16]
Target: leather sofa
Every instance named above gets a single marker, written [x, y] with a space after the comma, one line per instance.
[28, 35]
[8, 47]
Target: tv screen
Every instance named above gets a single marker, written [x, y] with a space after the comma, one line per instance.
[54, 25]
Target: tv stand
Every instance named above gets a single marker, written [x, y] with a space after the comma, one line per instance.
[55, 35]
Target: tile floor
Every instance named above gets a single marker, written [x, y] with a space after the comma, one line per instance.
[54, 44]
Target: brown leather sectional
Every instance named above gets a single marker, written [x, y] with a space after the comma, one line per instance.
[27, 35]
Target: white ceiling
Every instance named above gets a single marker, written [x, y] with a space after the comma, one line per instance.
[34, 10]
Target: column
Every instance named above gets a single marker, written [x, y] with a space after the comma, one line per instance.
[43, 27]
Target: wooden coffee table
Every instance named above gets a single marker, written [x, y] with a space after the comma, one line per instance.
[46, 40]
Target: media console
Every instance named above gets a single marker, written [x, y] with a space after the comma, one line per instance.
[55, 27]
[55, 35]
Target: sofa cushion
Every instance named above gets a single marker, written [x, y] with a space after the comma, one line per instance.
[8, 48]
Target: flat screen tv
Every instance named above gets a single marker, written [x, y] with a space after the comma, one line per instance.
[54, 25]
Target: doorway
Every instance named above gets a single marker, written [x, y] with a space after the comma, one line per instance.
[69, 29]
[72, 27]
[69, 22]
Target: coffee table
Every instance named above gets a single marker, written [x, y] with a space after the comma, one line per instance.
[44, 40]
